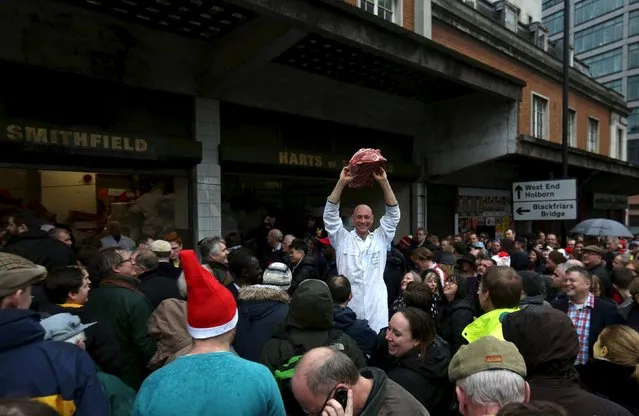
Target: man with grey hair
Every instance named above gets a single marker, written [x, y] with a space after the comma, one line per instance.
[555, 285]
[214, 257]
[286, 242]
[157, 283]
[118, 302]
[275, 252]
[325, 377]
[489, 373]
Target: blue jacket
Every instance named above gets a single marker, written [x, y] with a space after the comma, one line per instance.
[358, 329]
[56, 373]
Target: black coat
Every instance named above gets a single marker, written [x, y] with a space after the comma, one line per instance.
[157, 286]
[612, 381]
[454, 317]
[346, 320]
[394, 271]
[604, 314]
[306, 269]
[101, 343]
[37, 246]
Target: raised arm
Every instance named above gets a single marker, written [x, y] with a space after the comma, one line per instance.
[388, 223]
[332, 221]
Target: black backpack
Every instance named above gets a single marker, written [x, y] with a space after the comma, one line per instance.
[284, 374]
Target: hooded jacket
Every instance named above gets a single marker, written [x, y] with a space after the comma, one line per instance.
[167, 327]
[308, 323]
[426, 380]
[262, 310]
[37, 246]
[547, 339]
[454, 317]
[305, 269]
[387, 398]
[613, 381]
[358, 329]
[487, 324]
[58, 374]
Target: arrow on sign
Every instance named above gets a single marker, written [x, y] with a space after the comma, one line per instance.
[518, 189]
[521, 211]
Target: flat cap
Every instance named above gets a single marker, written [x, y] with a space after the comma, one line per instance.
[487, 353]
[593, 249]
[17, 272]
[160, 246]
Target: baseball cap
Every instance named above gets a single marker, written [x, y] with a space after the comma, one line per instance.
[17, 272]
[277, 274]
[160, 246]
[62, 326]
[487, 353]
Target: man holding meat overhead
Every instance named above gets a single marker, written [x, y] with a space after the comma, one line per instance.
[361, 253]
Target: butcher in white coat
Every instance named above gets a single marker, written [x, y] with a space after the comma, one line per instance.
[361, 253]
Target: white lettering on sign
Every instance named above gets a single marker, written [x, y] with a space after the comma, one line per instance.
[545, 200]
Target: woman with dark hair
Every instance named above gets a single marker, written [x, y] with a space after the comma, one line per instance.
[457, 312]
[536, 261]
[417, 359]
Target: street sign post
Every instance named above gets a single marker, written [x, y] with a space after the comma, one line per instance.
[545, 200]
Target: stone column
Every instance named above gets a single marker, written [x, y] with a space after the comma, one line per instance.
[207, 173]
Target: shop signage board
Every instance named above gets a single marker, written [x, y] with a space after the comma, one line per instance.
[545, 200]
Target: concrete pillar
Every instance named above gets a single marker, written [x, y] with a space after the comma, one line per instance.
[207, 173]
[419, 206]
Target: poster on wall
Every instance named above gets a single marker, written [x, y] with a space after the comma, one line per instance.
[484, 207]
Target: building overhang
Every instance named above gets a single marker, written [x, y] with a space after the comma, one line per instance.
[536, 159]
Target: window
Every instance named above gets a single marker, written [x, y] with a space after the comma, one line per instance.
[539, 117]
[620, 142]
[510, 18]
[615, 84]
[555, 22]
[589, 9]
[633, 23]
[549, 3]
[633, 55]
[633, 88]
[633, 122]
[605, 63]
[593, 135]
[382, 8]
[633, 156]
[572, 128]
[599, 35]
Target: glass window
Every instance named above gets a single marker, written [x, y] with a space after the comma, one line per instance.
[605, 63]
[633, 88]
[593, 135]
[601, 34]
[555, 22]
[633, 153]
[633, 122]
[549, 3]
[382, 8]
[540, 115]
[633, 23]
[615, 84]
[589, 9]
[633, 55]
[572, 128]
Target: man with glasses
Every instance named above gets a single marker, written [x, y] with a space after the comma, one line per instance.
[325, 377]
[118, 302]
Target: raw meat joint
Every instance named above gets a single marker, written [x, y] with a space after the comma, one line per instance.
[362, 165]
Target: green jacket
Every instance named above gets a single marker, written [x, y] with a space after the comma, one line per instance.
[487, 324]
[117, 302]
[309, 321]
[120, 396]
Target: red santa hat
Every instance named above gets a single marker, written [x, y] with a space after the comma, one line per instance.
[211, 308]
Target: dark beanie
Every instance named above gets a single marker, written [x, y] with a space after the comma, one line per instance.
[531, 283]
[519, 260]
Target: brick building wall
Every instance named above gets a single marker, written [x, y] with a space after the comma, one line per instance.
[535, 82]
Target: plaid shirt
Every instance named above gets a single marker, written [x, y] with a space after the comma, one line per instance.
[580, 317]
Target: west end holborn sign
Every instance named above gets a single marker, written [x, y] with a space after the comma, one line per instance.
[545, 200]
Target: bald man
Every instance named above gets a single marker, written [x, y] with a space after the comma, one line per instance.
[361, 253]
[322, 371]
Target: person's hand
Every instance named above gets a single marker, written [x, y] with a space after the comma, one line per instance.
[333, 408]
[380, 175]
[345, 175]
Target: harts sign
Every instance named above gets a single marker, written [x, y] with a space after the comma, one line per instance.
[316, 161]
[74, 138]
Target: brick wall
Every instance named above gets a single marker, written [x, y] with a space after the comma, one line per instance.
[535, 82]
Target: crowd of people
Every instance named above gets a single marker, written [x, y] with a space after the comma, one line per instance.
[343, 321]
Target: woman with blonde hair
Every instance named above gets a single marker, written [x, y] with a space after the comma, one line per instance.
[614, 371]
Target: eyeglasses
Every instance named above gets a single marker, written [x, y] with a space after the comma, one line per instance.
[126, 260]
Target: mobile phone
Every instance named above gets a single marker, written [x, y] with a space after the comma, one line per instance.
[341, 395]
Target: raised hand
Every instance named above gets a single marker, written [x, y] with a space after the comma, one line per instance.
[380, 175]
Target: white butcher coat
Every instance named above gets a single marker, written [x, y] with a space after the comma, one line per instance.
[363, 262]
